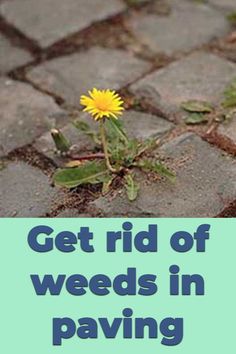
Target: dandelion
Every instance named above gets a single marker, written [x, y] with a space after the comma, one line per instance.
[103, 104]
[119, 154]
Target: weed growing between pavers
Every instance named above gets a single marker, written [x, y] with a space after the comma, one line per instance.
[118, 154]
[229, 102]
[198, 112]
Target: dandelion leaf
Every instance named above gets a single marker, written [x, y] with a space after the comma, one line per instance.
[156, 167]
[197, 106]
[89, 173]
[132, 188]
[196, 118]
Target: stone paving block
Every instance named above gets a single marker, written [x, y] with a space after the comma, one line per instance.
[224, 4]
[144, 126]
[71, 76]
[200, 76]
[137, 125]
[50, 21]
[11, 57]
[24, 115]
[228, 129]
[205, 184]
[25, 191]
[188, 26]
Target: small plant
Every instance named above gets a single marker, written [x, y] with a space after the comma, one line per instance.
[120, 155]
[230, 95]
[197, 110]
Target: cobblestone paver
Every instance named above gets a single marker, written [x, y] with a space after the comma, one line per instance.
[189, 25]
[224, 4]
[73, 75]
[15, 56]
[24, 114]
[228, 129]
[206, 182]
[145, 126]
[49, 21]
[157, 54]
[200, 76]
[26, 193]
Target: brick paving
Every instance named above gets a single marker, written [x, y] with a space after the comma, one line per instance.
[225, 4]
[200, 76]
[205, 183]
[25, 191]
[15, 56]
[175, 56]
[73, 75]
[47, 22]
[24, 115]
[188, 26]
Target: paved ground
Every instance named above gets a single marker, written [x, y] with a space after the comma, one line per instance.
[158, 54]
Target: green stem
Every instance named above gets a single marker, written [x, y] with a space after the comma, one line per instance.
[105, 148]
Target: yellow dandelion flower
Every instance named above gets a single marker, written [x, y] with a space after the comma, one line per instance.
[102, 104]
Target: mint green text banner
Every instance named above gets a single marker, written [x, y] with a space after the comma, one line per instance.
[26, 319]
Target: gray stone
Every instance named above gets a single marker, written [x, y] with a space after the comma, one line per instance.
[228, 129]
[50, 21]
[137, 125]
[200, 76]
[224, 4]
[11, 57]
[24, 115]
[188, 26]
[144, 126]
[71, 76]
[204, 186]
[24, 191]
